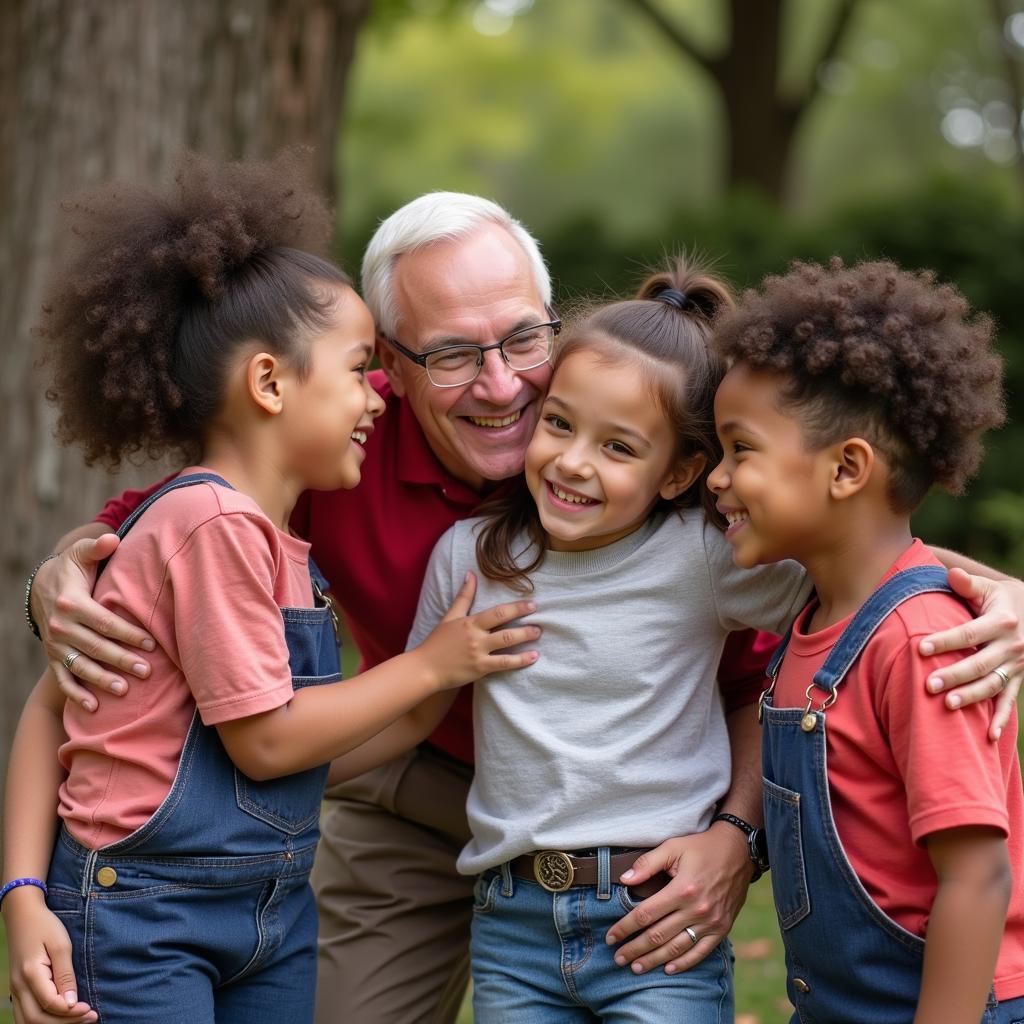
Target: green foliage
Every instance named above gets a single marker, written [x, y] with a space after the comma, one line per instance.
[969, 235]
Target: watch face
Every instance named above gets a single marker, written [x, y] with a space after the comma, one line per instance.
[759, 848]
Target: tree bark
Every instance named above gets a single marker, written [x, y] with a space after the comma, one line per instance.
[99, 89]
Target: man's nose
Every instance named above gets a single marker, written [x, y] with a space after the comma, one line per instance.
[497, 384]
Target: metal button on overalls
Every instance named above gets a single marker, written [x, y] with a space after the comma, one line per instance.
[801, 986]
[106, 877]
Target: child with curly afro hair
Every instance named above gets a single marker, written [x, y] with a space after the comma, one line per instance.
[892, 824]
[203, 322]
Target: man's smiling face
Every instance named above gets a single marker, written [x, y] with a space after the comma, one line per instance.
[477, 290]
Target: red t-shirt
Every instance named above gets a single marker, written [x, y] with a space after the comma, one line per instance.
[902, 766]
[373, 544]
[122, 758]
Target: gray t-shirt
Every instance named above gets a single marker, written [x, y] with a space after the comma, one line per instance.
[616, 735]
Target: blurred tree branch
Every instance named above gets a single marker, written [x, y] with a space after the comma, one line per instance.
[761, 119]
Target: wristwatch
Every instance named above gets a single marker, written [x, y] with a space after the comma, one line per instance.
[757, 845]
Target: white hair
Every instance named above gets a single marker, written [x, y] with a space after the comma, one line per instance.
[435, 217]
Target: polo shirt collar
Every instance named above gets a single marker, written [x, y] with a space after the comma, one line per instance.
[417, 464]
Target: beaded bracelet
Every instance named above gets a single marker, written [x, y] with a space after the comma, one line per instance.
[19, 882]
[28, 596]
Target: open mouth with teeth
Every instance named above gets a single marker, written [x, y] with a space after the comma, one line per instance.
[495, 422]
[570, 497]
[359, 436]
[735, 518]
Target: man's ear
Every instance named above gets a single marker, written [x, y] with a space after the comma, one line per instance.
[683, 475]
[265, 377]
[854, 462]
[391, 364]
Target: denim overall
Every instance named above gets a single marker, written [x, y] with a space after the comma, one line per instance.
[847, 961]
[205, 912]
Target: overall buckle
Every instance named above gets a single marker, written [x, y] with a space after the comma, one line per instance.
[553, 870]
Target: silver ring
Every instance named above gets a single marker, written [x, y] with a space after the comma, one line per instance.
[69, 659]
[1004, 675]
[693, 935]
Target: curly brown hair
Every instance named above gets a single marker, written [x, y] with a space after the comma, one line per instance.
[667, 329]
[158, 289]
[882, 353]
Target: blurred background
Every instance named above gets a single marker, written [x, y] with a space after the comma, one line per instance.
[750, 131]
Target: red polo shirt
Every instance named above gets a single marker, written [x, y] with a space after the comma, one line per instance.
[373, 543]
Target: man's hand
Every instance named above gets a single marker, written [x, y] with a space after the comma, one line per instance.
[70, 620]
[711, 873]
[998, 634]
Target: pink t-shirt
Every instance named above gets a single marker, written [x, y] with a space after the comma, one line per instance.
[901, 765]
[205, 572]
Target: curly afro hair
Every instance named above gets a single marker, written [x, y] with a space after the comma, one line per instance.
[881, 353]
[158, 290]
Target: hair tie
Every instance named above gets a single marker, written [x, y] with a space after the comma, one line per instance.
[674, 297]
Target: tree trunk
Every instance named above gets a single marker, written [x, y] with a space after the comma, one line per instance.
[761, 120]
[760, 124]
[98, 89]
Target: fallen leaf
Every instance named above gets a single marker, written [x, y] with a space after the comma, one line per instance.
[755, 949]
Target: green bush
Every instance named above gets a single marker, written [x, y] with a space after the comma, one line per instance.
[969, 236]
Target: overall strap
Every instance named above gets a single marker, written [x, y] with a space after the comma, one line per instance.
[772, 670]
[171, 485]
[919, 579]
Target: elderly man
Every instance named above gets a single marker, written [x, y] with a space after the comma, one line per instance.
[444, 270]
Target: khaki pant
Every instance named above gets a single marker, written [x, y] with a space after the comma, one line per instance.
[394, 914]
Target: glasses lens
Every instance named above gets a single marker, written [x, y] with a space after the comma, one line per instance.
[453, 366]
[526, 349]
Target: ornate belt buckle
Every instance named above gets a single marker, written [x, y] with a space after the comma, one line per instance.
[553, 870]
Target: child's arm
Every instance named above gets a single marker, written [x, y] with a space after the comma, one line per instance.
[321, 723]
[966, 924]
[39, 950]
[417, 724]
[407, 732]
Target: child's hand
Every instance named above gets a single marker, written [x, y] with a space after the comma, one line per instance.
[43, 989]
[462, 647]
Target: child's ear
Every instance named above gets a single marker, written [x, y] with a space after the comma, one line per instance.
[264, 379]
[682, 475]
[854, 464]
[391, 364]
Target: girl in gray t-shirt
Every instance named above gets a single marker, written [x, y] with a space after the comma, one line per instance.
[615, 739]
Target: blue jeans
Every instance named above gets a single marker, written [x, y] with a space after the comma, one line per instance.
[541, 958]
[200, 942]
[1009, 1012]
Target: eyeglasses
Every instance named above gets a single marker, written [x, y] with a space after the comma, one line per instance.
[453, 366]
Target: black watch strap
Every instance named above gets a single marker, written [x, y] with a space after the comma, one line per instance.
[744, 826]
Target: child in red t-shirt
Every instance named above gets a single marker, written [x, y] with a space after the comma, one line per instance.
[894, 828]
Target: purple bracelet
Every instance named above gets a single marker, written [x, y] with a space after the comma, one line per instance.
[19, 882]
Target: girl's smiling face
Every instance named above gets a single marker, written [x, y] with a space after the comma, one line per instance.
[335, 405]
[602, 454]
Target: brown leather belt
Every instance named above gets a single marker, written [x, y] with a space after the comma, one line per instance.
[557, 871]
